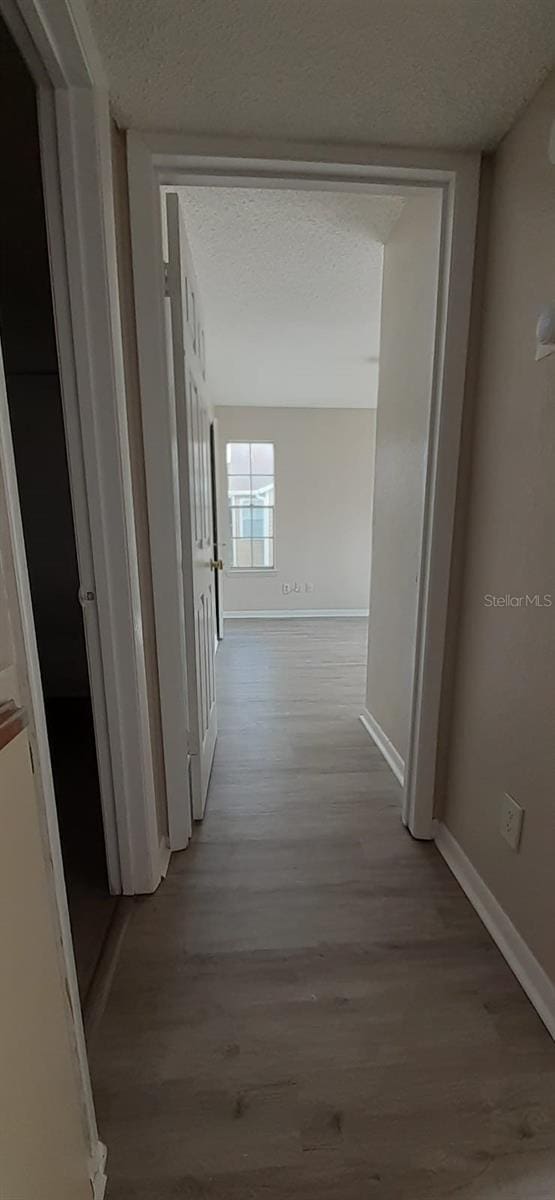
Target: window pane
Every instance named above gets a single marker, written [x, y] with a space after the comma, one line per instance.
[241, 552]
[262, 458]
[238, 458]
[241, 521]
[239, 488]
[235, 521]
[253, 522]
[262, 489]
[262, 520]
[263, 552]
[244, 522]
[266, 518]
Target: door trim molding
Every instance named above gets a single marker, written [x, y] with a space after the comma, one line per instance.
[75, 136]
[530, 974]
[171, 159]
[162, 482]
[385, 746]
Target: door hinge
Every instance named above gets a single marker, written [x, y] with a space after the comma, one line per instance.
[166, 279]
[86, 596]
[31, 757]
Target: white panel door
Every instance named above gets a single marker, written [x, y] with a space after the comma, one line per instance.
[193, 449]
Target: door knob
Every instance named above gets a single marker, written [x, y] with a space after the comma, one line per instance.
[216, 564]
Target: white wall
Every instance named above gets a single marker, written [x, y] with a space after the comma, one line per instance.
[407, 331]
[324, 478]
[501, 737]
[43, 1148]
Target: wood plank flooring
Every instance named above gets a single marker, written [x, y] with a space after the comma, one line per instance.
[309, 1008]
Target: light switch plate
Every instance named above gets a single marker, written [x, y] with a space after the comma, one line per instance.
[512, 817]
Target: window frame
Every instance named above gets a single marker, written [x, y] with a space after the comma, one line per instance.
[231, 569]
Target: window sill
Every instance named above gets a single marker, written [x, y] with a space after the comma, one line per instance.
[238, 571]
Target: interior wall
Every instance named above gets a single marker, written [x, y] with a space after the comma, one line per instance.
[502, 725]
[31, 367]
[6, 640]
[324, 479]
[40, 1104]
[410, 270]
[136, 447]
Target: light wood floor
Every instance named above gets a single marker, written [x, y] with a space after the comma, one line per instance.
[309, 1008]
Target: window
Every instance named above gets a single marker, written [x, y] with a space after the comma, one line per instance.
[251, 500]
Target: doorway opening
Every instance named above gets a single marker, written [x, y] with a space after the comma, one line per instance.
[38, 435]
[320, 313]
[159, 164]
[303, 330]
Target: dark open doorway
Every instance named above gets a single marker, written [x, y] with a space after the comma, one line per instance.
[36, 416]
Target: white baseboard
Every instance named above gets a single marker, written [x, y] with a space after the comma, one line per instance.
[391, 755]
[165, 855]
[98, 1175]
[530, 974]
[279, 613]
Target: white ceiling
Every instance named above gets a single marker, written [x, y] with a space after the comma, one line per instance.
[451, 73]
[290, 286]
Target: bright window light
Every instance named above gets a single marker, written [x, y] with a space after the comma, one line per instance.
[251, 501]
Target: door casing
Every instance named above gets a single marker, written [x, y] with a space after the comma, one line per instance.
[56, 42]
[161, 160]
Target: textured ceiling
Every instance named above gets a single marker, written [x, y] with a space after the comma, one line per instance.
[290, 284]
[451, 73]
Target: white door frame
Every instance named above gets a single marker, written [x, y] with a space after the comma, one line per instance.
[155, 160]
[55, 39]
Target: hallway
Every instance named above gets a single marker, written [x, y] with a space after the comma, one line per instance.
[309, 1007]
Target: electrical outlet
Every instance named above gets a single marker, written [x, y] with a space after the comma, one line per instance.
[297, 587]
[286, 588]
[512, 817]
